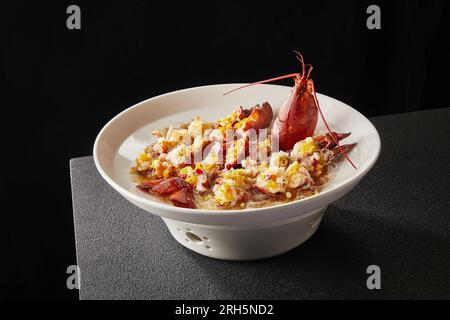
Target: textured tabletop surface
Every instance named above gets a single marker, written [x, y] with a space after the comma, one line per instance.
[398, 218]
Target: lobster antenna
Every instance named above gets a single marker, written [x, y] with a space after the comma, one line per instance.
[291, 75]
[316, 101]
[309, 70]
[299, 57]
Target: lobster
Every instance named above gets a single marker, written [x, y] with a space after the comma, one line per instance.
[297, 118]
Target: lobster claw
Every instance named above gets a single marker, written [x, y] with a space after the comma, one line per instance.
[258, 117]
[178, 191]
[148, 185]
[343, 150]
[327, 141]
[183, 198]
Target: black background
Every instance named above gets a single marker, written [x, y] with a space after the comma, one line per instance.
[60, 86]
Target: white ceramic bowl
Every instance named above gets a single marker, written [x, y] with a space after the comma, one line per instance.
[230, 234]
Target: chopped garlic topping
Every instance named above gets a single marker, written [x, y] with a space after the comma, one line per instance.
[216, 135]
[303, 148]
[178, 136]
[297, 176]
[195, 128]
[180, 155]
[251, 167]
[279, 159]
[227, 193]
[271, 179]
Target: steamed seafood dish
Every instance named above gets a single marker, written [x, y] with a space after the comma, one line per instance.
[243, 160]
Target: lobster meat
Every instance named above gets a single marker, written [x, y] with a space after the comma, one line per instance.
[314, 154]
[297, 118]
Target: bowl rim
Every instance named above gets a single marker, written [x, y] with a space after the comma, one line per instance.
[201, 212]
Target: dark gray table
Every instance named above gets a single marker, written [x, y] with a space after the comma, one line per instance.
[397, 218]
